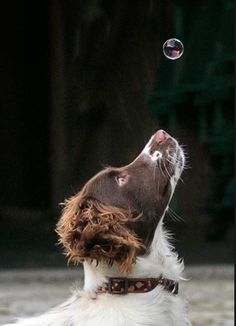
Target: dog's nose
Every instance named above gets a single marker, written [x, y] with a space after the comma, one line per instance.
[161, 136]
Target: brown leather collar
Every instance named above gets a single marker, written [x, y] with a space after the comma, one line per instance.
[122, 285]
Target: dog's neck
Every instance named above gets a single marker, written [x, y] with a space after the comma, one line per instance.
[161, 260]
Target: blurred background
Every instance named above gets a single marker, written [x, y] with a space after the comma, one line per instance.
[84, 84]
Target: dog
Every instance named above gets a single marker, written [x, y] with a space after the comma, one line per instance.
[114, 227]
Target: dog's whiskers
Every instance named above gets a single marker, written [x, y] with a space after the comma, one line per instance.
[174, 215]
[167, 171]
[160, 168]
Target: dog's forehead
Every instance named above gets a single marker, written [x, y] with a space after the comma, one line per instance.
[107, 176]
[103, 187]
[100, 182]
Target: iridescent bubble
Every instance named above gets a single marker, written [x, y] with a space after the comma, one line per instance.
[173, 49]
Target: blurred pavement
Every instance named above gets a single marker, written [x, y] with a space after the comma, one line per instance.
[210, 292]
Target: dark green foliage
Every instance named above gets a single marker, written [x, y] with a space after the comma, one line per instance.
[197, 90]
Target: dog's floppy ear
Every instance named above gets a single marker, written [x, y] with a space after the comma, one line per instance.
[91, 230]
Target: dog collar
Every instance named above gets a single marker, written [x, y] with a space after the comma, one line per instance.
[123, 285]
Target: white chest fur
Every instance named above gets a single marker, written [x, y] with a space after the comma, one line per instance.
[155, 308]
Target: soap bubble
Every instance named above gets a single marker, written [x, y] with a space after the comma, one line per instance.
[173, 49]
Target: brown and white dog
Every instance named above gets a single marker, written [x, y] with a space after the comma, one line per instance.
[114, 226]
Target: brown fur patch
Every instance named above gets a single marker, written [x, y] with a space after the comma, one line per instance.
[89, 229]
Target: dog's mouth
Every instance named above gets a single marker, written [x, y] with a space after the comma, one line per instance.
[165, 153]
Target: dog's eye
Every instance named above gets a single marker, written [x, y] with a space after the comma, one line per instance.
[121, 180]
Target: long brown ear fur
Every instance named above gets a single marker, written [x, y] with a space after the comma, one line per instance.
[91, 230]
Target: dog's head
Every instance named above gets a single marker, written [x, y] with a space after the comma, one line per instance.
[114, 217]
